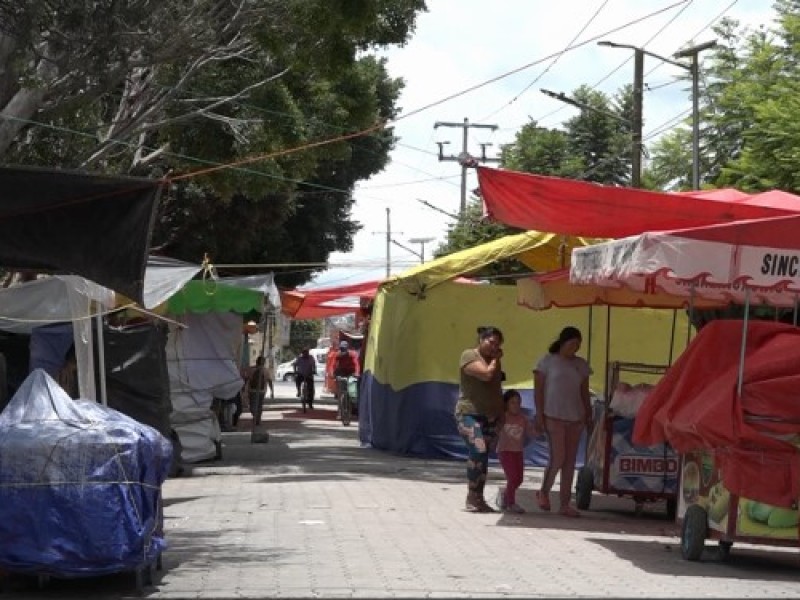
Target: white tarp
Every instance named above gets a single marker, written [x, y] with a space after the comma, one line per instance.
[761, 258]
[202, 365]
[260, 283]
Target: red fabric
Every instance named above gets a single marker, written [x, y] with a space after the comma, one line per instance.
[775, 232]
[320, 302]
[695, 406]
[569, 207]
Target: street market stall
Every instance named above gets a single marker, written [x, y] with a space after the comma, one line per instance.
[614, 465]
[728, 404]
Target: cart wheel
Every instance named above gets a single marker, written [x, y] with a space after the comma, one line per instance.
[694, 533]
[638, 508]
[672, 508]
[583, 488]
[725, 550]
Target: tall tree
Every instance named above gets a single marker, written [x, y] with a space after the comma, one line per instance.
[139, 87]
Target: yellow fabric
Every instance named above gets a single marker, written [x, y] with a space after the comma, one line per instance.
[539, 251]
[420, 337]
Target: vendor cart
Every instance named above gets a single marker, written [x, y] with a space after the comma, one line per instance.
[707, 510]
[614, 465]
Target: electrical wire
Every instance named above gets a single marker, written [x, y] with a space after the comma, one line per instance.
[552, 62]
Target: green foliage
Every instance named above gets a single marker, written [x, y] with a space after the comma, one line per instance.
[473, 230]
[304, 334]
[285, 76]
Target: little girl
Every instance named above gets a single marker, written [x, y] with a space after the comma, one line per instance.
[513, 429]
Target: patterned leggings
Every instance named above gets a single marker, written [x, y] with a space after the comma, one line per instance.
[480, 436]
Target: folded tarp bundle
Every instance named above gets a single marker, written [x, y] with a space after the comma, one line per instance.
[80, 485]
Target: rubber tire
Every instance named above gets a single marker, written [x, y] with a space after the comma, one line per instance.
[583, 488]
[694, 533]
[303, 394]
[347, 409]
[725, 550]
[672, 508]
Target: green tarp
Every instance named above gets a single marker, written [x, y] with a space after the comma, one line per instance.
[202, 296]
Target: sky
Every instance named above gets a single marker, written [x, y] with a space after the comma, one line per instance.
[515, 47]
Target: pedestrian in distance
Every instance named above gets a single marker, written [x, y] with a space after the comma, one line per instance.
[478, 409]
[563, 409]
[514, 428]
[256, 389]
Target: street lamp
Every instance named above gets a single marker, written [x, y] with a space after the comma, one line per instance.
[638, 85]
[421, 241]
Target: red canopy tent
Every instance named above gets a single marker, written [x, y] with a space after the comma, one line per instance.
[326, 302]
[564, 206]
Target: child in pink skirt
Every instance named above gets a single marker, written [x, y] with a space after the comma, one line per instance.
[514, 427]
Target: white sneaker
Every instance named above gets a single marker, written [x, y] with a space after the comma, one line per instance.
[500, 499]
[516, 509]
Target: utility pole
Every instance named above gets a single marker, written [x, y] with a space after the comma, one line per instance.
[461, 158]
[388, 242]
[694, 69]
[638, 86]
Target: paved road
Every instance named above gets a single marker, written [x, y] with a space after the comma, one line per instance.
[310, 514]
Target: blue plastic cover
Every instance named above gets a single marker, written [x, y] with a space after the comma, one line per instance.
[80, 485]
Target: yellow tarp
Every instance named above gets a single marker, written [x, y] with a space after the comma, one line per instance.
[416, 339]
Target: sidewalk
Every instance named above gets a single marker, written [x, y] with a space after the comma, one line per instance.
[311, 514]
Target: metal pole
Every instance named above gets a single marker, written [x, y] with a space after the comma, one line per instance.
[672, 334]
[388, 242]
[463, 205]
[638, 86]
[101, 359]
[695, 122]
[740, 381]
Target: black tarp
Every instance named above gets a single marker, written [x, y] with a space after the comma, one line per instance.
[137, 381]
[94, 226]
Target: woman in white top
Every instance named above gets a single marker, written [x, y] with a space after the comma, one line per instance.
[561, 396]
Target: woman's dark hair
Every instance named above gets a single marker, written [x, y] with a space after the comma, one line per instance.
[567, 334]
[489, 331]
[509, 394]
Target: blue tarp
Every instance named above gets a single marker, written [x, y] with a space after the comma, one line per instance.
[80, 485]
[419, 421]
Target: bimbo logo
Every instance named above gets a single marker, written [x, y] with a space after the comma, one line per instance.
[647, 465]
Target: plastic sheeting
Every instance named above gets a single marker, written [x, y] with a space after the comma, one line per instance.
[202, 365]
[79, 485]
[755, 436]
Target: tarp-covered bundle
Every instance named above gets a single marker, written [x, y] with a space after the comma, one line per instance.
[80, 485]
[755, 436]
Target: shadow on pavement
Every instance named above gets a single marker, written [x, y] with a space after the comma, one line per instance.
[745, 562]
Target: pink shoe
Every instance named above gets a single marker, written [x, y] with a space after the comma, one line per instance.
[568, 511]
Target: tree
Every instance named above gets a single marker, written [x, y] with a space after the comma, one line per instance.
[161, 89]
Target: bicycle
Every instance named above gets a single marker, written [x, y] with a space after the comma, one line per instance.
[305, 393]
[347, 398]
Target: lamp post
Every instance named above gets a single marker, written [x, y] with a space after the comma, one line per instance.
[421, 241]
[638, 86]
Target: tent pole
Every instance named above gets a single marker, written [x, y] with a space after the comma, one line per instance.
[101, 359]
[691, 315]
[608, 352]
[744, 341]
[672, 334]
[589, 344]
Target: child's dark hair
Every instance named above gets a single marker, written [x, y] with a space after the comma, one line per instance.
[567, 334]
[509, 394]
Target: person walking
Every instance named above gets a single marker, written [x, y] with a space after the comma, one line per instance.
[256, 389]
[479, 406]
[561, 396]
[514, 428]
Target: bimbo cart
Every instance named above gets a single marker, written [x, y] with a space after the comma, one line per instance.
[615, 465]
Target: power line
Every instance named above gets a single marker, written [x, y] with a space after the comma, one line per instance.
[552, 63]
[537, 62]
